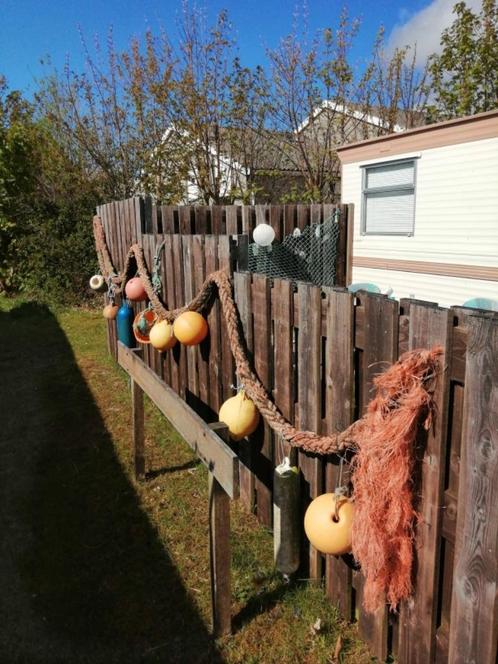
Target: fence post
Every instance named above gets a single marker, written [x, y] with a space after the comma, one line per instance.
[219, 547]
[349, 245]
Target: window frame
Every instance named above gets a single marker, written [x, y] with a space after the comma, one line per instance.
[377, 190]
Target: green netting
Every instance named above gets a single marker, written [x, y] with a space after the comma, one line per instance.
[309, 255]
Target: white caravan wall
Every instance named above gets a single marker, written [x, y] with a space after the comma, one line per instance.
[456, 221]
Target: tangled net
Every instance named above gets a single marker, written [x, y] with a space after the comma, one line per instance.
[383, 476]
[384, 439]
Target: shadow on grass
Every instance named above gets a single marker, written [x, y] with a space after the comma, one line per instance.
[167, 470]
[83, 574]
[259, 603]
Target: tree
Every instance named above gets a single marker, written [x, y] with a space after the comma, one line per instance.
[465, 73]
[200, 103]
[319, 101]
[152, 118]
[19, 161]
[247, 134]
[313, 83]
[46, 200]
[398, 91]
[218, 111]
[113, 115]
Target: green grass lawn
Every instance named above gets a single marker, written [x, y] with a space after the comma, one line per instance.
[97, 568]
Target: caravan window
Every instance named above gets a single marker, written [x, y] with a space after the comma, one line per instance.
[389, 198]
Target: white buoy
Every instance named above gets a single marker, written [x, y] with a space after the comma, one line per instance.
[97, 283]
[263, 235]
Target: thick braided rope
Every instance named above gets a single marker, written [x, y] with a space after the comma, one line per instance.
[306, 440]
[135, 259]
[220, 281]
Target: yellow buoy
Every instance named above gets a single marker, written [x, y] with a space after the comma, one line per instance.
[240, 415]
[110, 311]
[327, 533]
[190, 328]
[161, 336]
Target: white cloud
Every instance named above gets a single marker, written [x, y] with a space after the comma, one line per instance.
[425, 27]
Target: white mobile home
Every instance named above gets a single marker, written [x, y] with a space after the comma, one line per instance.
[426, 210]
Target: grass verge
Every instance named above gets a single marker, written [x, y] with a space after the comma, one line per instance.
[99, 568]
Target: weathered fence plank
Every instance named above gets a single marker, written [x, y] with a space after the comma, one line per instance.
[380, 349]
[214, 354]
[283, 378]
[309, 395]
[474, 605]
[137, 415]
[188, 280]
[219, 542]
[169, 281]
[225, 262]
[242, 293]
[261, 311]
[339, 408]
[179, 351]
[429, 326]
[201, 351]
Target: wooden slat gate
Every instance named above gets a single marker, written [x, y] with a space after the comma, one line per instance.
[318, 351]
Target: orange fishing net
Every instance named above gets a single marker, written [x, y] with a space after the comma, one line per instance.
[383, 476]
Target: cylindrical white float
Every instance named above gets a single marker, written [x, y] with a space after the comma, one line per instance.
[97, 283]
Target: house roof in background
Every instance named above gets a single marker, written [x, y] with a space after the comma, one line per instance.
[263, 150]
[450, 132]
[354, 111]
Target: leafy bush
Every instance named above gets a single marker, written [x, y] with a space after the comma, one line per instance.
[57, 257]
[47, 199]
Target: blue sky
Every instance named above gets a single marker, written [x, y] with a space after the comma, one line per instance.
[30, 29]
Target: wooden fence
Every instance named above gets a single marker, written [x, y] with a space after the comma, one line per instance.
[140, 217]
[317, 350]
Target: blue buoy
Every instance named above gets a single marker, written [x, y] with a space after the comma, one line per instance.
[124, 321]
[485, 303]
[370, 288]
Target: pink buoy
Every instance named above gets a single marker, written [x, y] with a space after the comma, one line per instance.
[135, 290]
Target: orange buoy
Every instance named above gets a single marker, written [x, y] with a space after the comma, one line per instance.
[110, 311]
[327, 533]
[135, 290]
[190, 328]
[161, 336]
[142, 325]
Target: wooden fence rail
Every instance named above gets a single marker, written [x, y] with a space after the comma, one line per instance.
[317, 350]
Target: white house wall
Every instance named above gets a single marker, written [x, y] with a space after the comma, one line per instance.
[456, 222]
